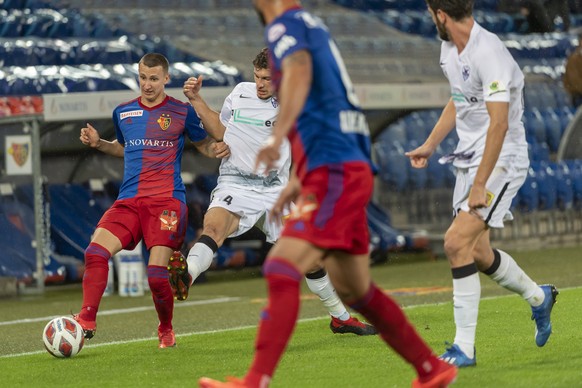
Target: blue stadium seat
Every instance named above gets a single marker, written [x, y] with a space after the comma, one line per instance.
[528, 194]
[394, 135]
[564, 185]
[547, 185]
[575, 167]
[535, 127]
[538, 152]
[393, 166]
[553, 126]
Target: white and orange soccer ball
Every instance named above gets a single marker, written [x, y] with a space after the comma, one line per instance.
[63, 337]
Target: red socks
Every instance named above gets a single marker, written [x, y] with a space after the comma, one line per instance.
[278, 320]
[161, 294]
[94, 280]
[395, 329]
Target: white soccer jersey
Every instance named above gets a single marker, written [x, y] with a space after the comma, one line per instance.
[484, 72]
[249, 122]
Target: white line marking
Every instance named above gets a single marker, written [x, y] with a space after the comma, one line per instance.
[111, 312]
[128, 310]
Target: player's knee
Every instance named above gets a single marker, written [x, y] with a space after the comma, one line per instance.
[453, 244]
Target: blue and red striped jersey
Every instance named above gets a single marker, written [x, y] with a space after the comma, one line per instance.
[154, 140]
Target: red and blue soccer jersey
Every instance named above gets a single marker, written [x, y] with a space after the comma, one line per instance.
[154, 140]
[331, 128]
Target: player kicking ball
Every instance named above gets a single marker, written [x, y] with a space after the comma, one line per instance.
[244, 198]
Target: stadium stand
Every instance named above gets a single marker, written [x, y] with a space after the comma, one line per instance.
[65, 46]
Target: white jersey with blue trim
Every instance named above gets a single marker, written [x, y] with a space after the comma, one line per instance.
[484, 72]
[249, 121]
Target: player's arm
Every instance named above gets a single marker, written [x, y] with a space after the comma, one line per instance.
[445, 124]
[498, 126]
[295, 85]
[293, 91]
[212, 148]
[210, 118]
[90, 137]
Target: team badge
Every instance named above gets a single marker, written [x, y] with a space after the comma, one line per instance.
[169, 221]
[490, 197]
[496, 87]
[19, 153]
[304, 207]
[466, 71]
[275, 102]
[164, 121]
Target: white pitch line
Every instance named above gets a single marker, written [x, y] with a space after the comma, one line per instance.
[245, 327]
[128, 310]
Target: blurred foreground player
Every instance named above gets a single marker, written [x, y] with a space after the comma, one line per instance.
[331, 185]
[151, 203]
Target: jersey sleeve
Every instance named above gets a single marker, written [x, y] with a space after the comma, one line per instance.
[118, 133]
[193, 126]
[285, 38]
[226, 111]
[496, 75]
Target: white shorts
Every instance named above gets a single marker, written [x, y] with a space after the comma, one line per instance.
[253, 207]
[502, 186]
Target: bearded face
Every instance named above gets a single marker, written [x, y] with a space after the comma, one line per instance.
[443, 34]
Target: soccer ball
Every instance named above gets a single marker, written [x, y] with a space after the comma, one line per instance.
[63, 337]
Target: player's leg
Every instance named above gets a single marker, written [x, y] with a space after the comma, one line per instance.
[459, 241]
[219, 223]
[162, 295]
[284, 268]
[109, 238]
[342, 322]
[164, 222]
[503, 269]
[351, 276]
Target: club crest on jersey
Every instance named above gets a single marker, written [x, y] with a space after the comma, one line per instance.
[169, 221]
[274, 102]
[466, 72]
[164, 121]
[19, 153]
[304, 208]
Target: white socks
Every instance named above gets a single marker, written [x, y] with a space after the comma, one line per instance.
[323, 288]
[466, 295]
[199, 259]
[510, 276]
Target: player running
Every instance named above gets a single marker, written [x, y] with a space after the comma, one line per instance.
[492, 162]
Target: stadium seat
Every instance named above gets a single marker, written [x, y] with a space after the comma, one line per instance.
[528, 194]
[535, 126]
[564, 186]
[547, 185]
[553, 126]
[538, 152]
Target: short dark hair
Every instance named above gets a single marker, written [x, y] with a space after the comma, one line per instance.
[155, 59]
[261, 61]
[456, 9]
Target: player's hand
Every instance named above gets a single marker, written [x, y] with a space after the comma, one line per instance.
[288, 195]
[269, 154]
[477, 198]
[221, 150]
[90, 136]
[192, 87]
[419, 156]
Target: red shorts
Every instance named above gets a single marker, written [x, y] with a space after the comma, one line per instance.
[159, 221]
[330, 212]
